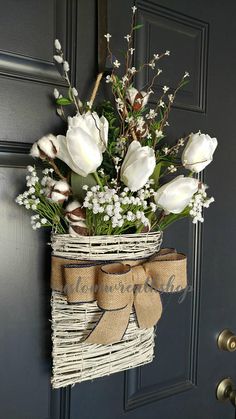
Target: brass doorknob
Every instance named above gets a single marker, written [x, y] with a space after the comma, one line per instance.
[227, 341]
[225, 391]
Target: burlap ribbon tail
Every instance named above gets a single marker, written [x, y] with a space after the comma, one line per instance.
[118, 286]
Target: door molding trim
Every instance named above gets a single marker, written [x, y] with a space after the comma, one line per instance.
[136, 396]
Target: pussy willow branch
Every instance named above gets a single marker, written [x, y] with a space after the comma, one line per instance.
[69, 83]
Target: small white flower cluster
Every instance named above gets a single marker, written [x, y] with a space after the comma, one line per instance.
[40, 192]
[120, 208]
[140, 124]
[165, 89]
[152, 64]
[109, 79]
[132, 70]
[127, 37]
[120, 146]
[37, 222]
[172, 168]
[108, 36]
[119, 104]
[199, 201]
[124, 79]
[151, 114]
[116, 64]
[28, 198]
[180, 143]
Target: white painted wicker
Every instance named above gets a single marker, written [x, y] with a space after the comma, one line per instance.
[73, 360]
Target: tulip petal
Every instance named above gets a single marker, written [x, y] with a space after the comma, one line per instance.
[145, 96]
[138, 165]
[137, 174]
[174, 196]
[131, 94]
[130, 155]
[198, 152]
[64, 155]
[84, 152]
[104, 127]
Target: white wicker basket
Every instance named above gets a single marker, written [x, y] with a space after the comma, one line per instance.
[73, 360]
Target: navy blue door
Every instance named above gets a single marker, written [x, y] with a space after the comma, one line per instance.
[181, 382]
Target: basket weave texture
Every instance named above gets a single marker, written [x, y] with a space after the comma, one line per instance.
[75, 361]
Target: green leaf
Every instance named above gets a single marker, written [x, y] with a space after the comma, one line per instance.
[138, 27]
[77, 183]
[156, 173]
[63, 101]
[171, 218]
[70, 94]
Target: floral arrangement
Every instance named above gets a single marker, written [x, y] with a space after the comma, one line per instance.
[113, 172]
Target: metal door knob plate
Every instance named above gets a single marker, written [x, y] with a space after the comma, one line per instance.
[227, 341]
[225, 391]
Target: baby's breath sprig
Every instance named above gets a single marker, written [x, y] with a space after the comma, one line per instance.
[115, 211]
[47, 212]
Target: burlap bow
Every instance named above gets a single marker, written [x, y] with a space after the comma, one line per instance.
[118, 286]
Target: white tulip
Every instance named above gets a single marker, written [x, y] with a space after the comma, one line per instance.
[138, 165]
[137, 99]
[45, 147]
[84, 143]
[174, 196]
[93, 125]
[198, 152]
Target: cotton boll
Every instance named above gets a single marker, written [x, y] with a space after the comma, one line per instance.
[60, 191]
[74, 212]
[45, 147]
[78, 228]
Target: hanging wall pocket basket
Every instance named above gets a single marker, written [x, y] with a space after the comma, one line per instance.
[74, 360]
[104, 306]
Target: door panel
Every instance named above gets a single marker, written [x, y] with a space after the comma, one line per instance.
[181, 381]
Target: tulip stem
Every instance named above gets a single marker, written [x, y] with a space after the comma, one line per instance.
[98, 180]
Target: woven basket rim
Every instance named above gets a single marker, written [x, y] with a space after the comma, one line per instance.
[116, 246]
[102, 237]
